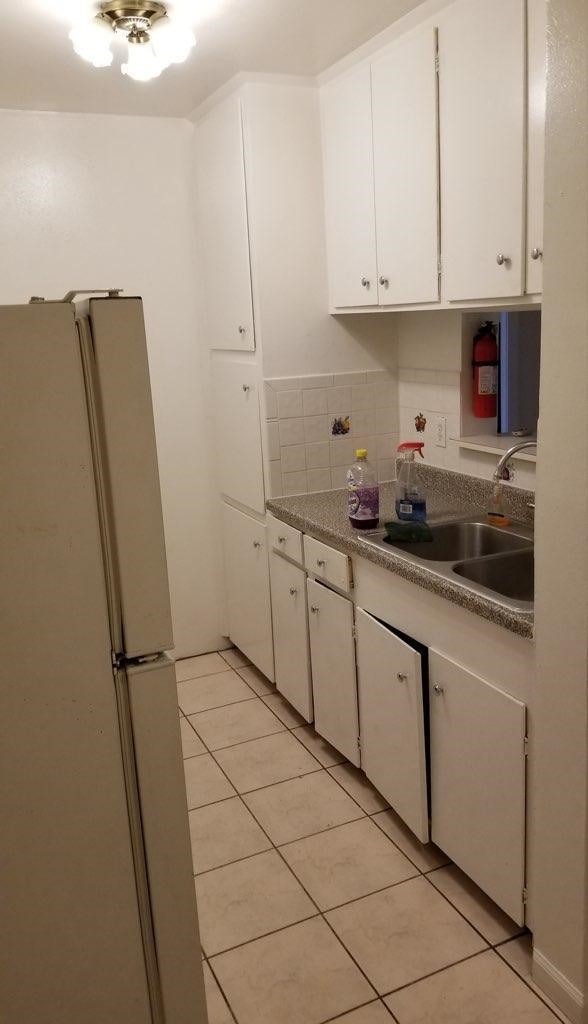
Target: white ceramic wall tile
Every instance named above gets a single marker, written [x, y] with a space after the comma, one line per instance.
[363, 396]
[386, 446]
[363, 421]
[318, 456]
[322, 380]
[406, 374]
[293, 458]
[285, 383]
[386, 421]
[377, 376]
[294, 483]
[319, 479]
[386, 393]
[316, 429]
[292, 431]
[450, 378]
[342, 451]
[339, 399]
[369, 443]
[275, 478]
[273, 439]
[271, 402]
[351, 378]
[339, 476]
[289, 404]
[314, 402]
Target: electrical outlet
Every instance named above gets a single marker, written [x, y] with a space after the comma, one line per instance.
[441, 432]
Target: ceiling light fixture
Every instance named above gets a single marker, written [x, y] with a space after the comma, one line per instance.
[154, 39]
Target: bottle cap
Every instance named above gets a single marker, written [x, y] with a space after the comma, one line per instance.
[361, 453]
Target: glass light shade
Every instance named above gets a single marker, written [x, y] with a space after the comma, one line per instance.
[142, 64]
[91, 40]
[172, 41]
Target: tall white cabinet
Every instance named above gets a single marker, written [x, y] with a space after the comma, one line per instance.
[482, 116]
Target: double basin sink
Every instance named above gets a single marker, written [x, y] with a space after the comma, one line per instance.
[495, 561]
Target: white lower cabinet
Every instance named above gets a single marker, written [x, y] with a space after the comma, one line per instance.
[392, 723]
[478, 780]
[334, 683]
[289, 615]
[248, 587]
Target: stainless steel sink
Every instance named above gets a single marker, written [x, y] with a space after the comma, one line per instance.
[510, 575]
[496, 562]
[455, 542]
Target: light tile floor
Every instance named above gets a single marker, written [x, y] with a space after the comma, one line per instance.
[316, 903]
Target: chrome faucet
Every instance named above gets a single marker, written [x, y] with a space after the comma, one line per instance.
[499, 471]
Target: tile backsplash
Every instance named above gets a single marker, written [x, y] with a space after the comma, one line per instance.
[314, 425]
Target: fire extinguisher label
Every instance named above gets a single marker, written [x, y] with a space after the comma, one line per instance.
[488, 380]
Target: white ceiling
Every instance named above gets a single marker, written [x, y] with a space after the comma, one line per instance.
[39, 70]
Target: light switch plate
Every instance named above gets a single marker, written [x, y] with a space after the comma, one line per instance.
[441, 432]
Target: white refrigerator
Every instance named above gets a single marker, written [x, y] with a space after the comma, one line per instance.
[98, 913]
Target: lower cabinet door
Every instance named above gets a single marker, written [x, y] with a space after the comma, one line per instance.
[391, 720]
[291, 655]
[334, 684]
[248, 588]
[478, 780]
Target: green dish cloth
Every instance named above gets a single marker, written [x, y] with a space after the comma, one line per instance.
[408, 533]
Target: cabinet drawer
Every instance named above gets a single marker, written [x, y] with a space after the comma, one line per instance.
[285, 539]
[327, 564]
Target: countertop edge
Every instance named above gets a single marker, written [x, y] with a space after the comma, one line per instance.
[520, 623]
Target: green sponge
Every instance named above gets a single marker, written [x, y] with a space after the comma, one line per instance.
[407, 533]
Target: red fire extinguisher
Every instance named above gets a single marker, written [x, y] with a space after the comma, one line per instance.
[485, 366]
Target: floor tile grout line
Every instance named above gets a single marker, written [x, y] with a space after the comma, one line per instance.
[264, 935]
[525, 980]
[217, 707]
[490, 944]
[362, 1006]
[203, 675]
[222, 991]
[407, 855]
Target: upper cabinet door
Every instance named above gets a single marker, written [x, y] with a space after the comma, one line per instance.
[482, 121]
[238, 432]
[223, 230]
[537, 59]
[404, 96]
[349, 190]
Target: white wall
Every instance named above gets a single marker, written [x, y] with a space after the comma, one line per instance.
[559, 760]
[102, 201]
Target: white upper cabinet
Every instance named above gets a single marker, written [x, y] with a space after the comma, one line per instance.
[349, 190]
[223, 229]
[482, 121]
[537, 57]
[404, 97]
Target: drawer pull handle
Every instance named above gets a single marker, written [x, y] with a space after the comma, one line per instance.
[502, 260]
[281, 540]
[438, 689]
[293, 591]
[401, 677]
[536, 254]
[314, 609]
[321, 563]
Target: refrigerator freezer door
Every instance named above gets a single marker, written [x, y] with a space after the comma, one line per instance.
[163, 812]
[129, 461]
[72, 944]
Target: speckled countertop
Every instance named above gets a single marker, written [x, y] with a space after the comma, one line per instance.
[449, 496]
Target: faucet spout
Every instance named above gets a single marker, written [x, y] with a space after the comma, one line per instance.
[499, 471]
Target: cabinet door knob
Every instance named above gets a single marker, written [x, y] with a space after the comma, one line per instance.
[314, 609]
[281, 540]
[401, 677]
[246, 387]
[242, 330]
[536, 254]
[502, 260]
[384, 281]
[438, 689]
[321, 563]
[293, 591]
[256, 543]
[365, 282]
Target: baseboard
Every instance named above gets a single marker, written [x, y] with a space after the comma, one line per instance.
[560, 989]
